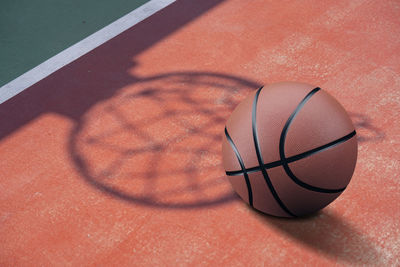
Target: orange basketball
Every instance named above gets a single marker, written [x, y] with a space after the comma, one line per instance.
[289, 149]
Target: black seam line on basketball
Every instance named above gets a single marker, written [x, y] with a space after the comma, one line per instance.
[282, 149]
[239, 158]
[260, 159]
[296, 157]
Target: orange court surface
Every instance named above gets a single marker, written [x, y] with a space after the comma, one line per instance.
[115, 159]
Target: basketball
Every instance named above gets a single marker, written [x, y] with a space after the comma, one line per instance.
[289, 149]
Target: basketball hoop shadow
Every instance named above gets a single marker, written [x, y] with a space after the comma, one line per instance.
[157, 142]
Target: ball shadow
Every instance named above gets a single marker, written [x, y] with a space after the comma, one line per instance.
[328, 233]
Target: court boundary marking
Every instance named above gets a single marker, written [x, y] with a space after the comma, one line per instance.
[72, 53]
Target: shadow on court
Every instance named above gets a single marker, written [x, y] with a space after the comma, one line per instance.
[328, 233]
[152, 140]
[162, 143]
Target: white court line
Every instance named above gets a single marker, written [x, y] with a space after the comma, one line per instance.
[79, 49]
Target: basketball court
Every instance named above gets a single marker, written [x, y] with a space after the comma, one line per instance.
[110, 136]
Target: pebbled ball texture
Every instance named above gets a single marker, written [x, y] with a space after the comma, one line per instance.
[289, 149]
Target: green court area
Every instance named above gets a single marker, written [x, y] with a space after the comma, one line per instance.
[33, 31]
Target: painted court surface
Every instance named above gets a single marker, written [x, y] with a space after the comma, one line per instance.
[115, 159]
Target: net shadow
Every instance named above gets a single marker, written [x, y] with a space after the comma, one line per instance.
[161, 146]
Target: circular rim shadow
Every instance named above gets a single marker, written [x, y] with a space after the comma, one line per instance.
[219, 81]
